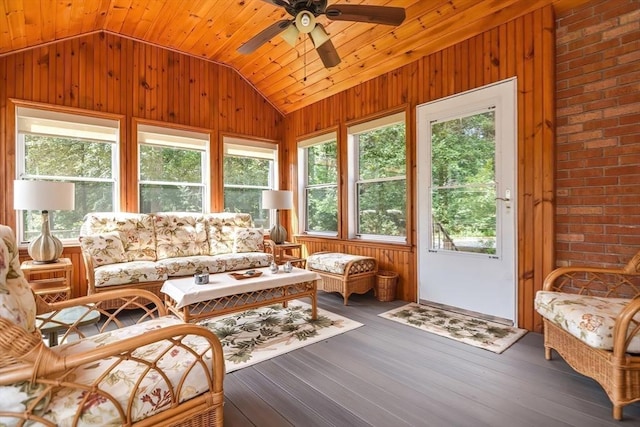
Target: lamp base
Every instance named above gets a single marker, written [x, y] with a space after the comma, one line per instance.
[45, 248]
[278, 234]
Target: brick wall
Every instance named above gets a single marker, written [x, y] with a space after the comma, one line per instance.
[598, 133]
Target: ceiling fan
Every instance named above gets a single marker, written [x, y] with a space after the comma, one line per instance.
[304, 14]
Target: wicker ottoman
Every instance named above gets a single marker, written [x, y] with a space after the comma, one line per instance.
[344, 273]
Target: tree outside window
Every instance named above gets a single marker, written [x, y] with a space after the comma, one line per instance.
[380, 185]
[321, 189]
[69, 148]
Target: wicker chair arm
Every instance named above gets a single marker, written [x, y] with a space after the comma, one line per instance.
[146, 305]
[605, 282]
[58, 369]
[622, 335]
[58, 366]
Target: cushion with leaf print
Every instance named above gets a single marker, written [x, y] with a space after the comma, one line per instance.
[105, 248]
[248, 240]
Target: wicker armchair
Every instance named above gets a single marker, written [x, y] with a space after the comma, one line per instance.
[157, 371]
[592, 319]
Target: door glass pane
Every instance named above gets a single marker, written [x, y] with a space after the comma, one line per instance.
[463, 187]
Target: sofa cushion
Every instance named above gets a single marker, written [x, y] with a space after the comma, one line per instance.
[336, 262]
[180, 235]
[137, 231]
[221, 229]
[248, 240]
[17, 302]
[590, 319]
[186, 266]
[105, 248]
[150, 395]
[245, 260]
[129, 272]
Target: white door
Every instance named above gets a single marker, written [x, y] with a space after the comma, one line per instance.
[466, 201]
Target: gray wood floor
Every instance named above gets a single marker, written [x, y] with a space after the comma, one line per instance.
[388, 374]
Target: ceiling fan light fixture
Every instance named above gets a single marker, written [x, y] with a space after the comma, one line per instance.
[290, 35]
[319, 36]
[305, 21]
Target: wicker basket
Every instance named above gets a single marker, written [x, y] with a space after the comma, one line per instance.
[386, 282]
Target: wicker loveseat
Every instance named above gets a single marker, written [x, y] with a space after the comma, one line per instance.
[592, 319]
[131, 250]
[156, 372]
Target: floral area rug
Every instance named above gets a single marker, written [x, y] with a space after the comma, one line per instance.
[253, 336]
[481, 333]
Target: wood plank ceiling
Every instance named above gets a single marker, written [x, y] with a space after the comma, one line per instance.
[290, 78]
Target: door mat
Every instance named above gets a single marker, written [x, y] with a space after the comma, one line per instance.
[481, 333]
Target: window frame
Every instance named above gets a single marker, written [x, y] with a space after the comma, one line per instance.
[30, 114]
[303, 182]
[174, 137]
[354, 181]
[246, 147]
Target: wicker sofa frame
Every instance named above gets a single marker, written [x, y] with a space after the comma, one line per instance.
[617, 371]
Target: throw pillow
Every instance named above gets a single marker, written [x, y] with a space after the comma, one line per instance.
[248, 240]
[105, 248]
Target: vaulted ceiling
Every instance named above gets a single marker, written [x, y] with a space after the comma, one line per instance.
[289, 77]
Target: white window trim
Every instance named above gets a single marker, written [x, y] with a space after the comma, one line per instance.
[46, 122]
[303, 181]
[353, 168]
[160, 136]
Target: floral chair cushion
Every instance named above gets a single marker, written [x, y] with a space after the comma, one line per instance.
[590, 319]
[17, 302]
[248, 240]
[336, 262]
[234, 262]
[130, 272]
[137, 231]
[152, 395]
[106, 248]
[180, 235]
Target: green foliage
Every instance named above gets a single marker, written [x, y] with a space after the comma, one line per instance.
[322, 191]
[463, 171]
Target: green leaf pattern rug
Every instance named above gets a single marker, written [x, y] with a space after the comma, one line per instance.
[477, 332]
[252, 336]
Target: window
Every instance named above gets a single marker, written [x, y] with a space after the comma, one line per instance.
[377, 179]
[249, 167]
[67, 147]
[173, 168]
[318, 171]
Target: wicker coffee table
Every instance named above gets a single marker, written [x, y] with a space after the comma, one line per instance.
[225, 294]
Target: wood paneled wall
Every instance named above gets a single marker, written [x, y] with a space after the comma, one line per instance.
[105, 73]
[110, 74]
[523, 48]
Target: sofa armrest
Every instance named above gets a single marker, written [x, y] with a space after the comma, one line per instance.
[89, 272]
[603, 282]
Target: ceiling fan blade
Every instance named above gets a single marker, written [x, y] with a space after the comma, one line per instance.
[328, 54]
[264, 36]
[282, 3]
[363, 13]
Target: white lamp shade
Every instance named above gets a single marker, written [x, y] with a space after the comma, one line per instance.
[277, 199]
[43, 195]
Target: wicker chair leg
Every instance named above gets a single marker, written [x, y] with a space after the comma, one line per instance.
[617, 412]
[547, 353]
[346, 298]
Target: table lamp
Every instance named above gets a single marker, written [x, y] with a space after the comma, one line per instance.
[44, 196]
[277, 199]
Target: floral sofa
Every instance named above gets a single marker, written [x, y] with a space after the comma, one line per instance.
[591, 317]
[158, 371]
[142, 250]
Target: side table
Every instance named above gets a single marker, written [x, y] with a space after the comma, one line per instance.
[283, 252]
[56, 283]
